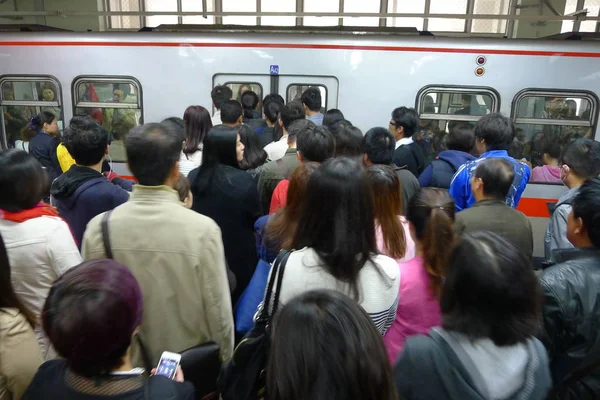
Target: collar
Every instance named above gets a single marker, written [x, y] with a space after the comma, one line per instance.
[489, 202]
[564, 255]
[403, 142]
[291, 150]
[154, 193]
[495, 153]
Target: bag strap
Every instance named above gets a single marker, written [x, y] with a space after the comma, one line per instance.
[276, 275]
[105, 234]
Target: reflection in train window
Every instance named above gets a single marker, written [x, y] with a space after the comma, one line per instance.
[238, 88]
[294, 92]
[115, 102]
[547, 121]
[22, 98]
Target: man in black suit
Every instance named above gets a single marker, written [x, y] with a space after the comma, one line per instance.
[403, 125]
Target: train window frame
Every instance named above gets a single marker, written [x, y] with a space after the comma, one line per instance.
[262, 90]
[287, 91]
[114, 79]
[457, 90]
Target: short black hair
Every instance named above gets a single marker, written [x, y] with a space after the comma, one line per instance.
[86, 140]
[461, 138]
[348, 142]
[312, 99]
[220, 94]
[582, 156]
[586, 206]
[152, 152]
[497, 130]
[333, 116]
[315, 143]
[23, 181]
[379, 145]
[497, 175]
[291, 112]
[406, 118]
[274, 97]
[177, 125]
[272, 108]
[490, 291]
[298, 126]
[231, 111]
[249, 101]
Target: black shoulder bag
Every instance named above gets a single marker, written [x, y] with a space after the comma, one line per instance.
[242, 377]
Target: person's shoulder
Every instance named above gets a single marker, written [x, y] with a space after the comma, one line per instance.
[160, 387]
[13, 323]
[388, 265]
[48, 376]
[562, 277]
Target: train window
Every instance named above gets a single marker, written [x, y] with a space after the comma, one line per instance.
[115, 102]
[546, 122]
[238, 88]
[22, 98]
[294, 92]
[442, 109]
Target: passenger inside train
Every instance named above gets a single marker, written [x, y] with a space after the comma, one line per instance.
[324, 263]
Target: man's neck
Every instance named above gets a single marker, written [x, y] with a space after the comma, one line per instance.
[484, 198]
[230, 125]
[573, 181]
[310, 113]
[269, 123]
[95, 167]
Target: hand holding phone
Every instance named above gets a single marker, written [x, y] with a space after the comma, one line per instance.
[169, 366]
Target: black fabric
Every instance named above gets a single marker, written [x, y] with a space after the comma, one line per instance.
[265, 135]
[43, 147]
[409, 185]
[49, 383]
[441, 173]
[411, 156]
[201, 366]
[106, 235]
[70, 181]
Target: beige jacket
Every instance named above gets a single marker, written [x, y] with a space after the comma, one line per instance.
[20, 355]
[177, 257]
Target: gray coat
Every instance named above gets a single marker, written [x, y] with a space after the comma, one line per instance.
[556, 234]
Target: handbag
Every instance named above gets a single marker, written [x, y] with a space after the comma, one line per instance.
[248, 303]
[242, 377]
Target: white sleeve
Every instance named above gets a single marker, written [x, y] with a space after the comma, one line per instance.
[62, 250]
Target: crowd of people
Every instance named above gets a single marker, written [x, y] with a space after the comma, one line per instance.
[397, 276]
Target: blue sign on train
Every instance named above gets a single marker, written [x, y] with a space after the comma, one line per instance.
[274, 70]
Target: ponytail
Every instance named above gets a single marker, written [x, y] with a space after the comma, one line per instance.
[37, 123]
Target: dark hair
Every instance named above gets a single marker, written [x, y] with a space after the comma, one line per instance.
[281, 227]
[220, 94]
[249, 102]
[516, 149]
[291, 112]
[90, 315]
[182, 186]
[231, 111]
[461, 138]
[272, 109]
[152, 152]
[387, 201]
[37, 122]
[490, 291]
[552, 148]
[219, 149]
[348, 142]
[274, 97]
[431, 212]
[325, 346]
[336, 219]
[86, 140]
[311, 98]
[339, 125]
[586, 206]
[8, 297]
[177, 126]
[197, 124]
[254, 154]
[583, 158]
[315, 143]
[23, 181]
[406, 118]
[497, 131]
[332, 117]
[497, 175]
[379, 145]
[298, 126]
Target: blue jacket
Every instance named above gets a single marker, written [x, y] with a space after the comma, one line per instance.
[81, 193]
[449, 160]
[460, 188]
[43, 147]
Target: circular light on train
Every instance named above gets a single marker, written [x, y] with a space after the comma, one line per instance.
[481, 60]
[480, 71]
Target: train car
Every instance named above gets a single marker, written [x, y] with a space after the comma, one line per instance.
[124, 79]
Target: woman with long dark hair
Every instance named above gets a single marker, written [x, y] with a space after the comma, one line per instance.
[228, 195]
[197, 125]
[20, 354]
[254, 155]
[336, 243]
[43, 145]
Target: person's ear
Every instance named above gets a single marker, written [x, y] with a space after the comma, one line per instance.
[579, 227]
[106, 150]
[240, 119]
[300, 158]
[366, 160]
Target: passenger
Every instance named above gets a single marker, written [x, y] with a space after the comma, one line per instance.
[255, 156]
[219, 95]
[26, 135]
[494, 135]
[403, 126]
[175, 254]
[465, 101]
[120, 129]
[176, 125]
[486, 347]
[197, 125]
[439, 173]
[39, 244]
[393, 233]
[348, 142]
[378, 145]
[241, 90]
[289, 113]
[184, 190]
[249, 101]
[83, 191]
[337, 245]
[43, 145]
[431, 216]
[116, 118]
[550, 171]
[580, 161]
[231, 113]
[311, 100]
[273, 96]
[278, 170]
[332, 117]
[491, 183]
[228, 195]
[272, 108]
[314, 144]
[325, 347]
[339, 125]
[571, 290]
[20, 355]
[91, 315]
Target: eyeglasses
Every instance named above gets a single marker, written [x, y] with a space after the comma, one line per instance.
[394, 123]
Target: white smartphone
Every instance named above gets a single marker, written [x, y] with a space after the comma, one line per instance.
[167, 366]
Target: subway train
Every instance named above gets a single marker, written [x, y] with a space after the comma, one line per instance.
[122, 79]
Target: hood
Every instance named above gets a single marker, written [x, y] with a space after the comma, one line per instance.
[546, 173]
[455, 158]
[64, 187]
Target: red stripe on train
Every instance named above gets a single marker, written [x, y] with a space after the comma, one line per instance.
[534, 207]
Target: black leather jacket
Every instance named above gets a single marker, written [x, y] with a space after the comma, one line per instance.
[572, 318]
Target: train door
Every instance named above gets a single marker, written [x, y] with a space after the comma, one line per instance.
[291, 88]
[240, 83]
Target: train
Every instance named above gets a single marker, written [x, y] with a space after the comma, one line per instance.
[128, 78]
